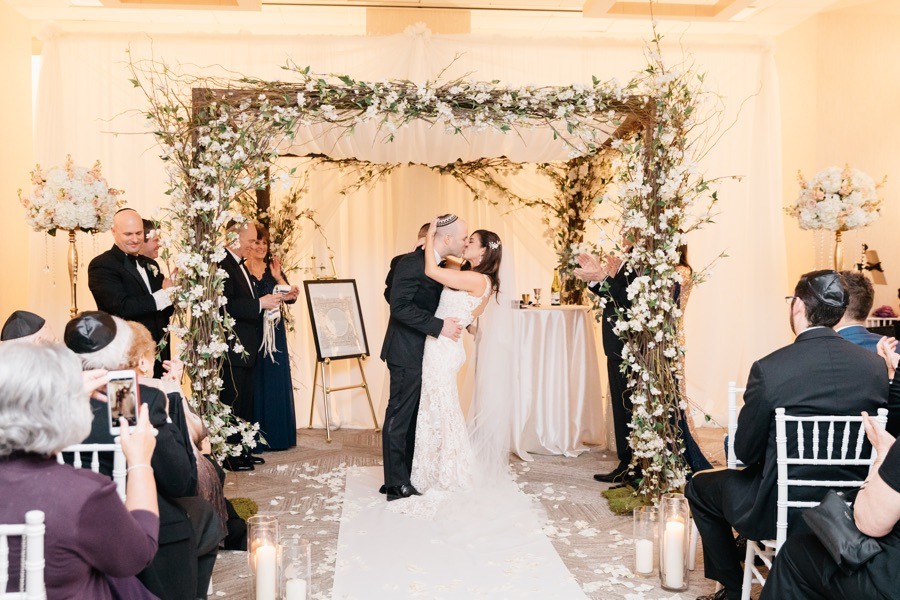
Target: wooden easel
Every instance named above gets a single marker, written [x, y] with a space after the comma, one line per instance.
[320, 364]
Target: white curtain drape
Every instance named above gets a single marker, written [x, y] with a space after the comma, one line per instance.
[88, 108]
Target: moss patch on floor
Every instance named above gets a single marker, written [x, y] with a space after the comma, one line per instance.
[623, 500]
[245, 507]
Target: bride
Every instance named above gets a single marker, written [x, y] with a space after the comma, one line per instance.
[443, 458]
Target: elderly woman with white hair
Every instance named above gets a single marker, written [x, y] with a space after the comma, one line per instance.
[94, 544]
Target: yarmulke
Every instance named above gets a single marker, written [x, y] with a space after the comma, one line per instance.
[826, 286]
[21, 324]
[445, 220]
[90, 331]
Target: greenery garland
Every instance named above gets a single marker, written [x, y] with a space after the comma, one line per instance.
[219, 139]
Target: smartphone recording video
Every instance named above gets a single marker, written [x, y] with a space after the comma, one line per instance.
[123, 399]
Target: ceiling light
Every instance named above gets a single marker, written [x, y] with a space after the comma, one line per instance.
[745, 13]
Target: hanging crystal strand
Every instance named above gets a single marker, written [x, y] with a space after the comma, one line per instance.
[822, 248]
[53, 264]
[46, 254]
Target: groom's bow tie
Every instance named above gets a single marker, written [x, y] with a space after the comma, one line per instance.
[242, 261]
[134, 258]
[442, 264]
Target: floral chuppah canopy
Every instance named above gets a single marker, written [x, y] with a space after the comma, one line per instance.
[220, 137]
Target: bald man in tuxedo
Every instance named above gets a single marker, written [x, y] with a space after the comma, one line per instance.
[131, 286]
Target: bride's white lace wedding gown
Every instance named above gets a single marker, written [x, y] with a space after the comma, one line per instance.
[443, 460]
[443, 455]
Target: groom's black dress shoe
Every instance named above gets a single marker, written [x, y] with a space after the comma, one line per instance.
[382, 489]
[396, 492]
[615, 476]
[257, 460]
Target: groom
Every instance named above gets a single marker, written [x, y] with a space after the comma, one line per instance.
[414, 299]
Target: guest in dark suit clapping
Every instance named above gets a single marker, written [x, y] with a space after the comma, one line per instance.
[131, 286]
[820, 373]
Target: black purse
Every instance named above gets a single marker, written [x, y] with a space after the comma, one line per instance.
[832, 522]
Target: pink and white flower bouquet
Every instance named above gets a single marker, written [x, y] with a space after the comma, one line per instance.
[70, 197]
[837, 200]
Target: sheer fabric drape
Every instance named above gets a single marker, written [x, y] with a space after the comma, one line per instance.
[88, 108]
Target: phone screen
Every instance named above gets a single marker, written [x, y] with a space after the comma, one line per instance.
[121, 393]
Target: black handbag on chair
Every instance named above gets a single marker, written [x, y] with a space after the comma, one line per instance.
[832, 522]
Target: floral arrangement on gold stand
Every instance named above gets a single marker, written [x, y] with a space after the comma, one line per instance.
[70, 198]
[837, 200]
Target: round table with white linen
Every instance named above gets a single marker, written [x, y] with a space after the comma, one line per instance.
[559, 407]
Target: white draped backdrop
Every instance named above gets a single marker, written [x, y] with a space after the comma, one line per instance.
[87, 107]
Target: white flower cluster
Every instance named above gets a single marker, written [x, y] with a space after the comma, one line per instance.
[70, 197]
[658, 182]
[210, 166]
[836, 200]
[460, 105]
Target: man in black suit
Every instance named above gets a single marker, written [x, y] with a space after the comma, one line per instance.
[246, 310]
[189, 531]
[414, 298]
[610, 280]
[819, 374]
[131, 286]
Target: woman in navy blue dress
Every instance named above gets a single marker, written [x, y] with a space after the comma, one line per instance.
[274, 391]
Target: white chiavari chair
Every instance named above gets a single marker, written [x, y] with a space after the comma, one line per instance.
[31, 574]
[730, 458]
[848, 452]
[119, 467]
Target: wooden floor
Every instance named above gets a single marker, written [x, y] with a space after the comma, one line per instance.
[304, 487]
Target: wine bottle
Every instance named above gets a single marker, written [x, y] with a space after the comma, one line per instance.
[554, 289]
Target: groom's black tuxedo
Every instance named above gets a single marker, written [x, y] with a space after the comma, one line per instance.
[414, 298]
[119, 290]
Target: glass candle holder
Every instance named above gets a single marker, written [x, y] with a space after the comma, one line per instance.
[674, 542]
[296, 569]
[646, 525]
[262, 540]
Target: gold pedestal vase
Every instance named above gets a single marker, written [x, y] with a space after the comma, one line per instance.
[72, 259]
[838, 251]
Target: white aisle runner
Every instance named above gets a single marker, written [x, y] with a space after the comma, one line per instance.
[467, 551]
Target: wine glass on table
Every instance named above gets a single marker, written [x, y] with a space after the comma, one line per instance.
[537, 296]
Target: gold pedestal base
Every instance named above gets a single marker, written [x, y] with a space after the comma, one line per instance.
[72, 258]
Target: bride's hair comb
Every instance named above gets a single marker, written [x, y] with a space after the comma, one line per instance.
[444, 220]
[493, 245]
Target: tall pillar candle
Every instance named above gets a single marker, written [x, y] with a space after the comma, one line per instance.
[673, 556]
[674, 522]
[643, 556]
[646, 521]
[266, 573]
